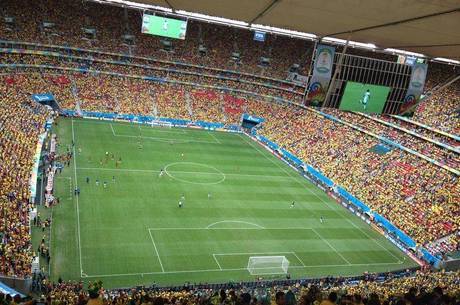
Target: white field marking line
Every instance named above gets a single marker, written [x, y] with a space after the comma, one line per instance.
[250, 228]
[140, 130]
[181, 141]
[167, 139]
[246, 253]
[301, 261]
[156, 250]
[217, 262]
[249, 253]
[374, 240]
[325, 202]
[360, 229]
[332, 247]
[156, 127]
[178, 172]
[235, 221]
[76, 197]
[192, 182]
[263, 228]
[113, 131]
[233, 269]
[147, 127]
[215, 138]
[263, 253]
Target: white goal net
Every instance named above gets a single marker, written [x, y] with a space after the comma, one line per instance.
[160, 123]
[259, 265]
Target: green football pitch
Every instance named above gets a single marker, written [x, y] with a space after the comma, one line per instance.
[237, 204]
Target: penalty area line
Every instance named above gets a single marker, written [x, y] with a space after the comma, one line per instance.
[215, 138]
[156, 250]
[232, 269]
[217, 261]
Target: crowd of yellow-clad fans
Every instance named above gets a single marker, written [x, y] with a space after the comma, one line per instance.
[438, 288]
[418, 197]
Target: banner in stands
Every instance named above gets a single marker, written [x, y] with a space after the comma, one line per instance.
[415, 90]
[322, 71]
[297, 78]
[8, 290]
[252, 118]
[401, 240]
[43, 97]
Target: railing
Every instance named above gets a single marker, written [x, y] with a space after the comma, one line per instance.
[121, 63]
[401, 240]
[68, 48]
[143, 77]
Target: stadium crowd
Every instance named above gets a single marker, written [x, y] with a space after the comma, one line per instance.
[424, 288]
[220, 41]
[21, 122]
[415, 195]
[444, 156]
[292, 93]
[411, 177]
[411, 126]
[441, 110]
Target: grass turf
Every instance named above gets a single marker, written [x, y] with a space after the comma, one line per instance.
[133, 232]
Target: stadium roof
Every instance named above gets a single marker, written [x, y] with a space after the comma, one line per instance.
[430, 27]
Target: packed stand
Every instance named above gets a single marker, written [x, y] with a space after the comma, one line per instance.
[178, 74]
[441, 110]
[421, 131]
[413, 194]
[438, 153]
[21, 122]
[439, 288]
[418, 188]
[220, 41]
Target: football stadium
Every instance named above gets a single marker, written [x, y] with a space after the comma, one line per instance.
[171, 152]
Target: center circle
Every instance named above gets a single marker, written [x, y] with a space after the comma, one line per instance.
[193, 173]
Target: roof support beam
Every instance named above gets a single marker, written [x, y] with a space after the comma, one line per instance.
[170, 6]
[455, 10]
[269, 7]
[427, 46]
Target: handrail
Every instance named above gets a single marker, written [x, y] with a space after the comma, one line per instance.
[148, 59]
[449, 135]
[454, 149]
[114, 62]
[143, 77]
[392, 143]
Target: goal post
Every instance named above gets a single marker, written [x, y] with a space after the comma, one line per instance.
[262, 265]
[158, 123]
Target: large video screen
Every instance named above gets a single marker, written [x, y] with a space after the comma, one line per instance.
[163, 26]
[364, 97]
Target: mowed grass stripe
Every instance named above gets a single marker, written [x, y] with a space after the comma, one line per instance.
[115, 221]
[377, 239]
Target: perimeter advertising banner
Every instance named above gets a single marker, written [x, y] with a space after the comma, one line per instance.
[321, 76]
[415, 90]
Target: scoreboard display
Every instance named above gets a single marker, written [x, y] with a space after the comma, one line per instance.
[163, 26]
[259, 36]
[364, 97]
